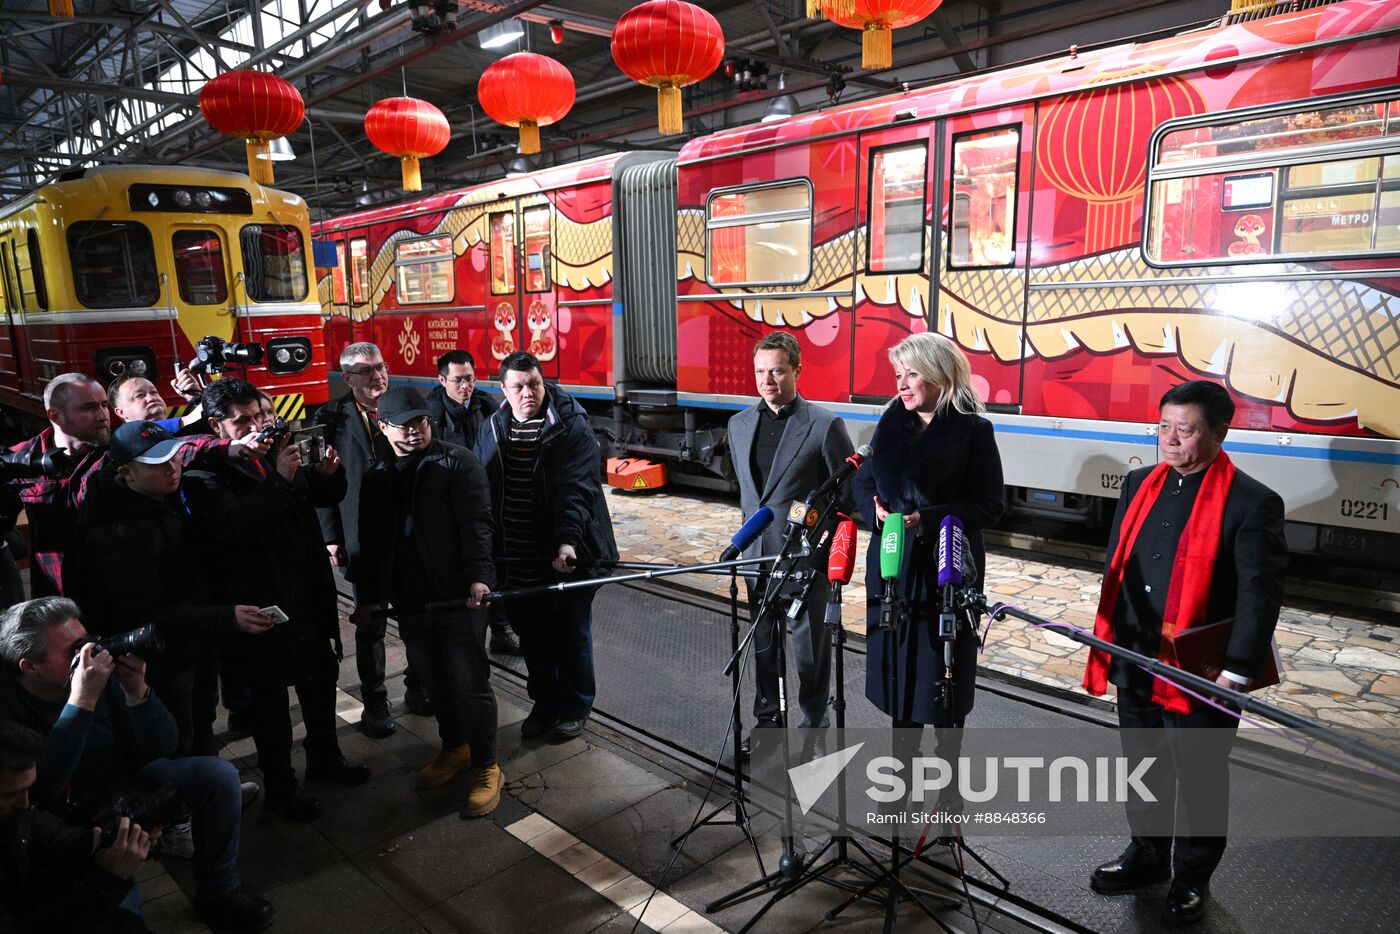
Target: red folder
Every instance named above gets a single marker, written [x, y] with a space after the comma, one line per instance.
[1201, 651]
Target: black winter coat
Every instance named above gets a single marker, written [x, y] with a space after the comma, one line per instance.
[570, 505]
[135, 560]
[952, 468]
[272, 554]
[452, 528]
[347, 433]
[456, 424]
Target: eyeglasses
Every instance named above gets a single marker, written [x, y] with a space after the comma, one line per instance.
[413, 424]
[460, 380]
[368, 370]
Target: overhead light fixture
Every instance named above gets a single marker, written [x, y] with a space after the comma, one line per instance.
[502, 33]
[364, 199]
[780, 108]
[278, 150]
[520, 165]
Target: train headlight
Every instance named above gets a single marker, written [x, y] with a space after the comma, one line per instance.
[112, 362]
[288, 354]
[182, 199]
[203, 199]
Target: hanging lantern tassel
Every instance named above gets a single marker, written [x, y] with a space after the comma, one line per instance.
[259, 161]
[412, 175]
[669, 118]
[61, 8]
[529, 138]
[814, 9]
[876, 49]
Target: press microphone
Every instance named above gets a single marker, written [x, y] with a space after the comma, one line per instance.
[843, 473]
[841, 561]
[747, 533]
[891, 562]
[951, 547]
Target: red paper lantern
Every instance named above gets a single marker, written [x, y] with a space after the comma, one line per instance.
[1105, 168]
[875, 19]
[528, 91]
[667, 44]
[255, 107]
[410, 129]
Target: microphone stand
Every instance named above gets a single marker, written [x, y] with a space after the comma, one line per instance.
[796, 870]
[955, 843]
[737, 799]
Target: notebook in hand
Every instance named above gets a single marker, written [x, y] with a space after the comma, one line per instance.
[1201, 651]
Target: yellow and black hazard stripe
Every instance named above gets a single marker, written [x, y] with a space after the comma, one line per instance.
[292, 407]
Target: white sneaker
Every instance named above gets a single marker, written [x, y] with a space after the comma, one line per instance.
[251, 791]
[177, 840]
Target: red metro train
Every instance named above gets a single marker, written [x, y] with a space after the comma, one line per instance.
[1091, 230]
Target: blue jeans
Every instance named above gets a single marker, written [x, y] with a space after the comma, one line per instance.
[214, 795]
[448, 650]
[556, 638]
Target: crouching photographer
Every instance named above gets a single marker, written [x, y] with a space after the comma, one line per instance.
[54, 877]
[263, 512]
[109, 739]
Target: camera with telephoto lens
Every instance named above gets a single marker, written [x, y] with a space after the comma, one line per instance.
[31, 465]
[159, 808]
[145, 643]
[214, 355]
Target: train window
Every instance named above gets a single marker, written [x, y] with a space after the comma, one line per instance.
[36, 271]
[11, 275]
[423, 270]
[503, 262]
[114, 264]
[759, 236]
[983, 222]
[199, 267]
[897, 185]
[6, 285]
[338, 274]
[536, 248]
[1312, 182]
[359, 270]
[274, 263]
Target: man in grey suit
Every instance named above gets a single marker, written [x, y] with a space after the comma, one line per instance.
[783, 448]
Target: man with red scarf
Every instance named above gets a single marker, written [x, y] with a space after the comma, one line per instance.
[1195, 541]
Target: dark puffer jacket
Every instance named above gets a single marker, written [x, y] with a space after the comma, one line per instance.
[458, 424]
[569, 502]
[135, 560]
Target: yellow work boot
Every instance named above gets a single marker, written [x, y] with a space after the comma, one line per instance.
[485, 793]
[447, 764]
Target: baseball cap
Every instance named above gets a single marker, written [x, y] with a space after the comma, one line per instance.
[143, 442]
[401, 405]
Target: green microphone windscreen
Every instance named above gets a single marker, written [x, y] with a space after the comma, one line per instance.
[892, 546]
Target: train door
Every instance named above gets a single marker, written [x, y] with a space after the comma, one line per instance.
[981, 280]
[520, 302]
[893, 201]
[361, 307]
[336, 311]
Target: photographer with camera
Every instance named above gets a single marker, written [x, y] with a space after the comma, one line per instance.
[79, 429]
[57, 465]
[54, 877]
[264, 513]
[137, 558]
[109, 737]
